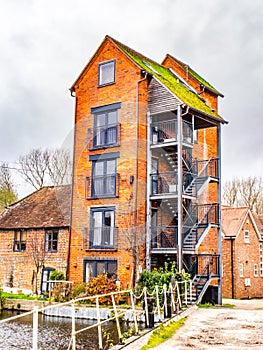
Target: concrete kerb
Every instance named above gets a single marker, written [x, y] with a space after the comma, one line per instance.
[137, 341]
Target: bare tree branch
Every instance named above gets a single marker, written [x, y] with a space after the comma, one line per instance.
[245, 192]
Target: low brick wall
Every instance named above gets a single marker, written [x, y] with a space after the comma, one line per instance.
[23, 305]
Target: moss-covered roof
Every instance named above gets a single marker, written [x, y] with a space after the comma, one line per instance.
[168, 79]
[189, 70]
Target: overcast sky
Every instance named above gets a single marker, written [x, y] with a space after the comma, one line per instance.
[46, 43]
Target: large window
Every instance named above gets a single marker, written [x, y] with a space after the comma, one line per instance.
[102, 228]
[20, 241]
[105, 128]
[104, 178]
[51, 241]
[94, 268]
[106, 73]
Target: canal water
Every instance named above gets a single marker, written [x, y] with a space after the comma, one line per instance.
[53, 334]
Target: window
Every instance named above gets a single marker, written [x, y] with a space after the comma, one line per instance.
[105, 128]
[94, 268]
[106, 73]
[246, 236]
[241, 270]
[104, 178]
[256, 270]
[20, 241]
[44, 280]
[102, 228]
[261, 258]
[51, 241]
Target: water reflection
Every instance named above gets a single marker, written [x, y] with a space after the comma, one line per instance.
[54, 333]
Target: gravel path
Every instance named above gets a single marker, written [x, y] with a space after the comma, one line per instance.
[221, 328]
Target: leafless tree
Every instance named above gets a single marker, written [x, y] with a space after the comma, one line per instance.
[244, 192]
[34, 166]
[7, 189]
[230, 192]
[37, 250]
[59, 166]
[41, 167]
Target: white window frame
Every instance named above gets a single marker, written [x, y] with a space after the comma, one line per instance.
[261, 258]
[247, 236]
[255, 270]
[241, 270]
[107, 77]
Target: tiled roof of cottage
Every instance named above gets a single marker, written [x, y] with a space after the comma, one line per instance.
[232, 219]
[169, 80]
[47, 207]
[259, 222]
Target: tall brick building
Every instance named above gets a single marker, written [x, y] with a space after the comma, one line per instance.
[146, 185]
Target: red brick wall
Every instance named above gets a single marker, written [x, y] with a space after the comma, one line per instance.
[89, 95]
[18, 267]
[248, 255]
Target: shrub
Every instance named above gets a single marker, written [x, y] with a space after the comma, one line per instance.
[78, 291]
[56, 275]
[101, 285]
[160, 276]
[2, 299]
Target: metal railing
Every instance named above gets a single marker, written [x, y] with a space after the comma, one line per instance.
[101, 237]
[209, 167]
[167, 301]
[103, 136]
[102, 186]
[166, 131]
[164, 236]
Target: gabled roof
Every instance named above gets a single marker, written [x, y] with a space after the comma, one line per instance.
[169, 80]
[233, 220]
[164, 75]
[196, 76]
[259, 222]
[47, 207]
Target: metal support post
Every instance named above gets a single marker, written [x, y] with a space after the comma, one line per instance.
[35, 327]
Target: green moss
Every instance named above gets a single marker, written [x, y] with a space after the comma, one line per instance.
[163, 333]
[165, 76]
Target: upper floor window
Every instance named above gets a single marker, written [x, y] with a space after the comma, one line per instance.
[102, 227]
[241, 270]
[106, 73]
[256, 270]
[51, 241]
[105, 128]
[20, 241]
[246, 236]
[104, 178]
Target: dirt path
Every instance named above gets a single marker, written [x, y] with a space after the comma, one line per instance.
[221, 328]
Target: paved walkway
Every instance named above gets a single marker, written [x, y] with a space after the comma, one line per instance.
[221, 328]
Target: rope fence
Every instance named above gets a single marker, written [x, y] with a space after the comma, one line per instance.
[155, 305]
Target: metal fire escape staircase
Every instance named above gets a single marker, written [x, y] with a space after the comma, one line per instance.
[194, 236]
[201, 281]
[201, 180]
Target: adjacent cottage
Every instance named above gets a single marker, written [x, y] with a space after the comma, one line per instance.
[242, 253]
[146, 169]
[34, 234]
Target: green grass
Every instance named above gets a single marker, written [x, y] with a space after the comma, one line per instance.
[163, 333]
[21, 296]
[209, 305]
